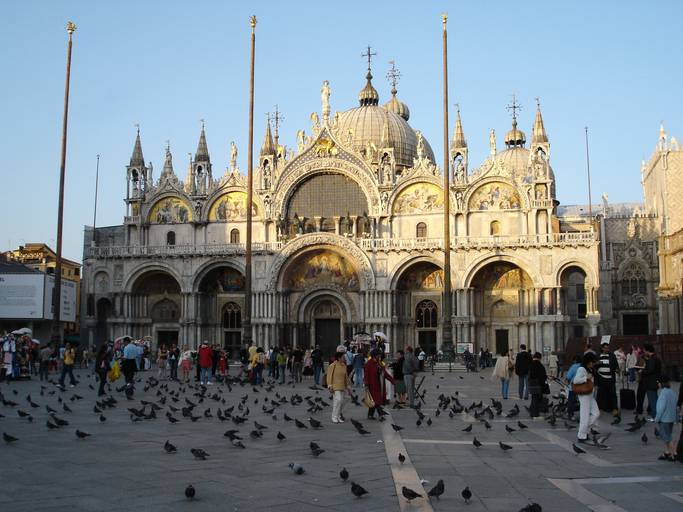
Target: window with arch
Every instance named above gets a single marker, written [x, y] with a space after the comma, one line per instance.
[170, 238]
[232, 316]
[633, 280]
[235, 236]
[421, 230]
[426, 315]
[494, 229]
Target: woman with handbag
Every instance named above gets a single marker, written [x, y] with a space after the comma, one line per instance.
[374, 375]
[582, 386]
[503, 372]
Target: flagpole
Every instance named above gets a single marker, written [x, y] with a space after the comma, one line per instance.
[588, 172]
[246, 324]
[94, 215]
[57, 290]
[446, 334]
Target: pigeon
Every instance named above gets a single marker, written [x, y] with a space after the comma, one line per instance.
[66, 408]
[169, 448]
[297, 468]
[357, 490]
[299, 424]
[315, 423]
[396, 427]
[437, 490]
[503, 446]
[521, 425]
[199, 453]
[237, 443]
[22, 414]
[476, 443]
[281, 436]
[429, 422]
[102, 418]
[82, 435]
[51, 425]
[171, 419]
[344, 474]
[466, 494]
[189, 491]
[578, 450]
[401, 458]
[8, 438]
[467, 428]
[532, 507]
[409, 494]
[509, 429]
[643, 438]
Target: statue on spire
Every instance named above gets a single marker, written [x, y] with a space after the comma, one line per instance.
[325, 97]
[492, 142]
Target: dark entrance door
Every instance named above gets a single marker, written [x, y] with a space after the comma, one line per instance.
[232, 341]
[167, 338]
[327, 335]
[502, 342]
[427, 341]
[635, 324]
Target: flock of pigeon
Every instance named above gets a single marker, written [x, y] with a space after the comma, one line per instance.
[182, 402]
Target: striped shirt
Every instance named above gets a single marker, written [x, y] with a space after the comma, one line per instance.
[604, 370]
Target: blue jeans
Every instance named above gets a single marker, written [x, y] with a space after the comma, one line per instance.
[317, 373]
[283, 368]
[258, 373]
[205, 375]
[69, 368]
[358, 377]
[524, 386]
[652, 402]
[631, 375]
[505, 386]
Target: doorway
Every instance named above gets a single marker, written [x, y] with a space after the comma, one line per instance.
[232, 341]
[427, 341]
[502, 341]
[635, 324]
[328, 335]
[167, 338]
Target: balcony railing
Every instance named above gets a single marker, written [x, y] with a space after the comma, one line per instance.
[367, 244]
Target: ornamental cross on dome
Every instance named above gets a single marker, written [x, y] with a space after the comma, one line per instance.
[393, 75]
[370, 54]
[514, 107]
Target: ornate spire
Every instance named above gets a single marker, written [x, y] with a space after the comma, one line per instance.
[458, 136]
[368, 95]
[189, 179]
[514, 137]
[538, 135]
[202, 154]
[168, 162]
[136, 159]
[268, 148]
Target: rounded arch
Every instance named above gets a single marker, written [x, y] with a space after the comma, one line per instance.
[588, 270]
[312, 241]
[326, 194]
[309, 164]
[413, 183]
[207, 267]
[407, 263]
[482, 261]
[236, 193]
[140, 271]
[521, 195]
[170, 208]
[306, 302]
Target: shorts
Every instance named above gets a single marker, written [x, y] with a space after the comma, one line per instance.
[186, 365]
[665, 431]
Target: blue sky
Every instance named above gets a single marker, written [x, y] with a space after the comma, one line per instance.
[611, 65]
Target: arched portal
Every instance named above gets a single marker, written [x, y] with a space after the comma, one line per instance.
[156, 295]
[503, 298]
[104, 310]
[220, 298]
[418, 302]
[324, 322]
[573, 302]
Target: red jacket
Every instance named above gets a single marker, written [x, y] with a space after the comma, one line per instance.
[205, 356]
[374, 375]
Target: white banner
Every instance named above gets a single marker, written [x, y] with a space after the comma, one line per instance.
[68, 312]
[21, 296]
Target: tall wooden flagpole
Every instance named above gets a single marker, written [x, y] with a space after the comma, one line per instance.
[57, 290]
[246, 323]
[94, 215]
[446, 333]
[588, 173]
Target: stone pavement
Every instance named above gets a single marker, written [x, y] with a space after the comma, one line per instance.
[123, 466]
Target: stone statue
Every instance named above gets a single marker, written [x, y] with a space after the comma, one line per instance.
[335, 121]
[266, 174]
[492, 141]
[267, 201]
[459, 199]
[385, 200]
[460, 172]
[349, 137]
[385, 169]
[197, 209]
[325, 97]
[300, 140]
[233, 156]
[315, 122]
[420, 145]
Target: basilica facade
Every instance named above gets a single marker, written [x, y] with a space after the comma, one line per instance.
[347, 238]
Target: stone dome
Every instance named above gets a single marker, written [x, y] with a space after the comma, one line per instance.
[397, 107]
[383, 128]
[516, 161]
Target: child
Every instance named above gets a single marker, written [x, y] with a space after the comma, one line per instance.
[186, 364]
[666, 417]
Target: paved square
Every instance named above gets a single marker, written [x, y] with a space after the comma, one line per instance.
[123, 465]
